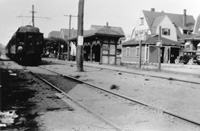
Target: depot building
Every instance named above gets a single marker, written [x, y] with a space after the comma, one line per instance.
[100, 44]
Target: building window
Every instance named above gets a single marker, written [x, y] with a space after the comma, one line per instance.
[165, 31]
[142, 21]
[127, 51]
[137, 53]
[187, 32]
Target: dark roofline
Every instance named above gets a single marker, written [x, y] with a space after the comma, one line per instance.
[152, 41]
[99, 31]
[96, 34]
[193, 37]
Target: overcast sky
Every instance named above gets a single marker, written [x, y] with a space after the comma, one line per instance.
[121, 13]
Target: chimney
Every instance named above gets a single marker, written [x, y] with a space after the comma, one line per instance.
[153, 9]
[107, 24]
[184, 17]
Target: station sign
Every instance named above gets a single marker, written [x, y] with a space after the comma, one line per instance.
[105, 47]
[159, 43]
[80, 40]
[140, 35]
[140, 38]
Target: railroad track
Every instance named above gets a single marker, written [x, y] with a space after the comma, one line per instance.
[129, 99]
[117, 128]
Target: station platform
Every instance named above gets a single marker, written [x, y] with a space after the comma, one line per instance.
[180, 71]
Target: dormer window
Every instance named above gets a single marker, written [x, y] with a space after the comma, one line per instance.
[165, 31]
[142, 21]
[187, 32]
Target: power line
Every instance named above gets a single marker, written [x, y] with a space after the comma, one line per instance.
[33, 16]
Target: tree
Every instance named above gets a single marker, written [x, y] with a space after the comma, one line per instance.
[53, 45]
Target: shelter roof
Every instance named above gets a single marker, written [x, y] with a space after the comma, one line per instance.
[104, 31]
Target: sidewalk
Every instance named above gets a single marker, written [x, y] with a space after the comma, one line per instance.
[182, 72]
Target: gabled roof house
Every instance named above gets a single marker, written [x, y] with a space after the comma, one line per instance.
[181, 25]
[174, 27]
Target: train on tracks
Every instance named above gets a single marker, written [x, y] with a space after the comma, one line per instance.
[26, 46]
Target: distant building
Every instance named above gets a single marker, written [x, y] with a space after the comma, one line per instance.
[55, 34]
[175, 27]
[64, 33]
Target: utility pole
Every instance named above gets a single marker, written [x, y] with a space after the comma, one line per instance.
[140, 59]
[33, 22]
[159, 49]
[33, 16]
[140, 38]
[68, 47]
[79, 52]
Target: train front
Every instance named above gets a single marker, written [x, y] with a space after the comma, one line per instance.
[29, 44]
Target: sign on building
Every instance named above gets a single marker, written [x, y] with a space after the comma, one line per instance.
[140, 35]
[159, 43]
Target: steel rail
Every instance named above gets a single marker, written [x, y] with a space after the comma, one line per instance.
[129, 98]
[78, 103]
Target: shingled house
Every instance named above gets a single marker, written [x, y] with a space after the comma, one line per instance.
[175, 27]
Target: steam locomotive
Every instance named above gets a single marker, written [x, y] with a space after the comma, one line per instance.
[26, 45]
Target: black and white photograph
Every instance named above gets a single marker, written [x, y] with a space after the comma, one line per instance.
[99, 65]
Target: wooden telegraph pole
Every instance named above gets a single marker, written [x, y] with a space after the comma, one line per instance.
[159, 49]
[33, 22]
[140, 59]
[33, 16]
[79, 52]
[68, 47]
[140, 39]
[69, 35]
